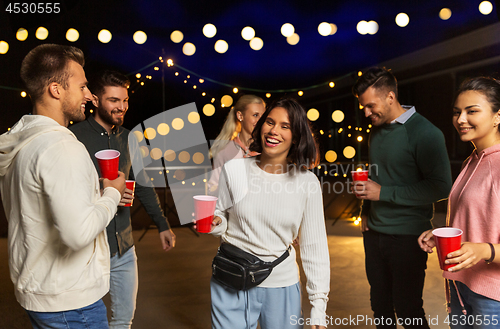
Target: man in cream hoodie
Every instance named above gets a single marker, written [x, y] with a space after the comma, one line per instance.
[58, 250]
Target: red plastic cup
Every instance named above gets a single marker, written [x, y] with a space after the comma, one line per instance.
[359, 176]
[448, 239]
[130, 184]
[204, 208]
[108, 161]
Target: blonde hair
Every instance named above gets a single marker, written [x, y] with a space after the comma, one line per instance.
[232, 125]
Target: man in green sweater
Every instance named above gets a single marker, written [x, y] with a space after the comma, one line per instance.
[410, 170]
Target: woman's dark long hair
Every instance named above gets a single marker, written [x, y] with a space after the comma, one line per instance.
[304, 150]
[488, 86]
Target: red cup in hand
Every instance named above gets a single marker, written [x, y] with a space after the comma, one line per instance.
[130, 184]
[204, 208]
[108, 161]
[447, 239]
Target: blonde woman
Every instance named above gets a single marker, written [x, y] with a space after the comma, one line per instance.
[236, 135]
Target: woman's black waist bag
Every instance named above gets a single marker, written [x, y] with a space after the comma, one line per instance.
[240, 270]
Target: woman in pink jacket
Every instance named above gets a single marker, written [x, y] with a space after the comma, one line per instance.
[473, 290]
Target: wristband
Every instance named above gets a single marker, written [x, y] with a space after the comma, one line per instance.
[492, 258]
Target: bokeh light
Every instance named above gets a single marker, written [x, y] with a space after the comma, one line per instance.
[177, 123]
[226, 101]
[338, 116]
[287, 30]
[209, 30]
[189, 49]
[445, 14]
[221, 46]
[324, 29]
[313, 114]
[104, 36]
[362, 27]
[140, 37]
[208, 110]
[4, 47]
[139, 136]
[402, 19]
[256, 43]
[22, 34]
[176, 36]
[334, 29]
[150, 133]
[349, 152]
[156, 153]
[193, 117]
[198, 158]
[169, 155]
[72, 35]
[293, 39]
[485, 7]
[41, 33]
[163, 129]
[184, 157]
[331, 156]
[372, 27]
[247, 33]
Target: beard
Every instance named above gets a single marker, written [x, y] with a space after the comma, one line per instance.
[73, 112]
[108, 117]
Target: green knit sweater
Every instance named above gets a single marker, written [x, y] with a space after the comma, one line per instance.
[411, 164]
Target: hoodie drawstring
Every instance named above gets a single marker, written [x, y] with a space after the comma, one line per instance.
[448, 297]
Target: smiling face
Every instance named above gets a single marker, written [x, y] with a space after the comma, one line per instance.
[111, 106]
[475, 120]
[377, 105]
[276, 135]
[250, 117]
[76, 94]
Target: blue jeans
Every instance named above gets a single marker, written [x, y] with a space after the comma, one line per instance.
[395, 268]
[482, 312]
[271, 307]
[89, 317]
[123, 289]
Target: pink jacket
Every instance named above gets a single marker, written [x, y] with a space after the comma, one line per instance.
[474, 207]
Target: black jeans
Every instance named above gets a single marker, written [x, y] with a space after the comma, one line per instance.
[395, 267]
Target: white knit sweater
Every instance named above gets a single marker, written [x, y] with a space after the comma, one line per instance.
[263, 213]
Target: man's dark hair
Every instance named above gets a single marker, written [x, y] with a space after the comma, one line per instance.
[304, 152]
[46, 64]
[107, 78]
[379, 78]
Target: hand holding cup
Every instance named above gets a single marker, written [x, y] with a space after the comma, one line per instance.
[118, 183]
[216, 222]
[359, 176]
[204, 208]
[128, 196]
[447, 240]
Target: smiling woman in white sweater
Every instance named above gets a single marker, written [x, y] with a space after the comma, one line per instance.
[264, 204]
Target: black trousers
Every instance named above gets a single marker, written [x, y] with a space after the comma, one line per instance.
[395, 267]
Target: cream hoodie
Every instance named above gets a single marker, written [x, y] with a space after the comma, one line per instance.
[58, 250]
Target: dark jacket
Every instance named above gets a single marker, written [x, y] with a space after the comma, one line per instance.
[96, 138]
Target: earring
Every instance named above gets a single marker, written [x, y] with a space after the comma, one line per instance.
[241, 120]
